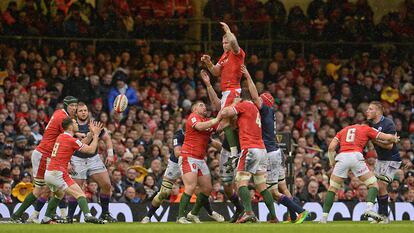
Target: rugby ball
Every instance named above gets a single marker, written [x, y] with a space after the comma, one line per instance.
[120, 103]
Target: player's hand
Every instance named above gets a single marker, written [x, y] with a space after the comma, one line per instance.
[109, 160]
[205, 58]
[408, 165]
[396, 138]
[205, 77]
[71, 170]
[244, 71]
[96, 127]
[225, 27]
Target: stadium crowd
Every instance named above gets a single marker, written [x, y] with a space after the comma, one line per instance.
[169, 19]
[314, 98]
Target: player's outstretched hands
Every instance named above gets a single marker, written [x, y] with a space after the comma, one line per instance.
[244, 71]
[205, 58]
[225, 27]
[396, 138]
[205, 77]
[96, 127]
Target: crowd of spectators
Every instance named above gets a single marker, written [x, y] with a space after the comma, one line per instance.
[314, 99]
[332, 20]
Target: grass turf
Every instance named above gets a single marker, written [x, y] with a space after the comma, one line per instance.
[334, 227]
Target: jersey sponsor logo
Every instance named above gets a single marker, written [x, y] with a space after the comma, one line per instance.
[79, 143]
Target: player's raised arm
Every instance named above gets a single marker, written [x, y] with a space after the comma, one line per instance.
[214, 69]
[234, 45]
[252, 87]
[212, 95]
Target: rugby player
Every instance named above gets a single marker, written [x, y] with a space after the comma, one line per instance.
[227, 167]
[172, 173]
[228, 69]
[253, 159]
[275, 169]
[90, 165]
[194, 168]
[57, 175]
[389, 160]
[352, 140]
[41, 155]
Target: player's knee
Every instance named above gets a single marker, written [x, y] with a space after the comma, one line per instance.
[334, 186]
[242, 177]
[259, 179]
[371, 182]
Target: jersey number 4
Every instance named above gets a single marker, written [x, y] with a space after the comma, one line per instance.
[258, 121]
[350, 135]
[55, 149]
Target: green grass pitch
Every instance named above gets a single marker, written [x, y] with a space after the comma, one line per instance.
[334, 227]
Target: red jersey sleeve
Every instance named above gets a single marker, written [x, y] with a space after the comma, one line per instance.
[194, 118]
[338, 136]
[76, 144]
[371, 132]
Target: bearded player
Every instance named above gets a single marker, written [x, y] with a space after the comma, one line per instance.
[275, 169]
[57, 174]
[352, 140]
[90, 165]
[228, 69]
[41, 155]
[193, 166]
[253, 159]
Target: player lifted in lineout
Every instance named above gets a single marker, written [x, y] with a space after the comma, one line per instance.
[57, 175]
[352, 140]
[228, 69]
